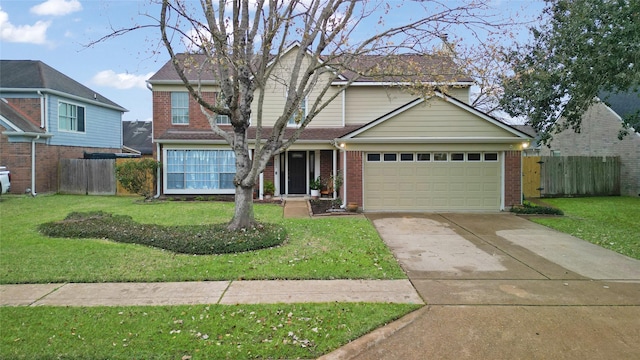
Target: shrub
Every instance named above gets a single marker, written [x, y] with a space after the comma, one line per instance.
[138, 177]
[531, 209]
[193, 239]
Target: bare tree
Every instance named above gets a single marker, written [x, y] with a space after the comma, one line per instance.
[243, 43]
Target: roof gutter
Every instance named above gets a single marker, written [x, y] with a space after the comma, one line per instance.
[63, 94]
[435, 140]
[401, 83]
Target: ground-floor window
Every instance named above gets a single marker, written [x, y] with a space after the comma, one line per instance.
[200, 169]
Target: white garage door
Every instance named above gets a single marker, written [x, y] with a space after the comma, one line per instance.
[438, 181]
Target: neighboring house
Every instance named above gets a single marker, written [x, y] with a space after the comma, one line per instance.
[46, 116]
[398, 152]
[598, 136]
[137, 136]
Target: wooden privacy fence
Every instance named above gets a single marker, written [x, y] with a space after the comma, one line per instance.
[558, 176]
[87, 176]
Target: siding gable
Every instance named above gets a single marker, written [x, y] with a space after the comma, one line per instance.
[437, 117]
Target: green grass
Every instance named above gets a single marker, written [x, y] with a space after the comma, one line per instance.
[611, 222]
[282, 331]
[326, 248]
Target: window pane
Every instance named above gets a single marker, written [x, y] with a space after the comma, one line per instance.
[440, 157]
[473, 157]
[390, 157]
[490, 156]
[80, 119]
[200, 169]
[424, 157]
[457, 157]
[179, 108]
[222, 120]
[373, 157]
[70, 117]
[406, 157]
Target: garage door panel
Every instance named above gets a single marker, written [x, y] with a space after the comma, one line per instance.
[424, 186]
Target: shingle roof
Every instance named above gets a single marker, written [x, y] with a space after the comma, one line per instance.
[17, 118]
[369, 68]
[137, 135]
[623, 103]
[34, 74]
[311, 134]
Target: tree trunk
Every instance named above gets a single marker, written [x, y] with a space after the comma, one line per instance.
[243, 218]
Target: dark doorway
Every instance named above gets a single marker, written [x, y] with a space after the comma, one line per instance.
[297, 172]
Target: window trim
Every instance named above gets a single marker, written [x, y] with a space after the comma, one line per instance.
[173, 122]
[446, 156]
[84, 118]
[484, 157]
[302, 106]
[373, 154]
[412, 154]
[165, 173]
[394, 155]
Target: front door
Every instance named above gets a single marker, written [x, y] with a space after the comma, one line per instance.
[297, 176]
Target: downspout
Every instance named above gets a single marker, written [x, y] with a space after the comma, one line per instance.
[43, 111]
[33, 165]
[158, 171]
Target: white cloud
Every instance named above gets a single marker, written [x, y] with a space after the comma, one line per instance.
[120, 81]
[33, 34]
[57, 7]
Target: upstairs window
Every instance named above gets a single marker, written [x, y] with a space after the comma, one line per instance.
[70, 117]
[221, 102]
[298, 116]
[180, 108]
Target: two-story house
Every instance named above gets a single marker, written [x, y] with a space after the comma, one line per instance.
[46, 116]
[398, 152]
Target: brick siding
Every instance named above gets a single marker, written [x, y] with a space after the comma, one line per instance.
[354, 177]
[512, 178]
[28, 107]
[17, 158]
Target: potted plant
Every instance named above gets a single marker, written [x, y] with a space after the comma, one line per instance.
[269, 189]
[315, 186]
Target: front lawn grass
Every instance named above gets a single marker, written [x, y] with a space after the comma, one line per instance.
[326, 248]
[280, 331]
[611, 222]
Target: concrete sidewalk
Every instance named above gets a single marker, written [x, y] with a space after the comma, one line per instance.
[209, 292]
[296, 207]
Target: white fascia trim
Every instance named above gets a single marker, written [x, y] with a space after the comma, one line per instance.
[189, 142]
[399, 83]
[434, 140]
[179, 82]
[66, 95]
[27, 134]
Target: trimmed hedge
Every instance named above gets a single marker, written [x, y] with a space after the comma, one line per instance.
[193, 239]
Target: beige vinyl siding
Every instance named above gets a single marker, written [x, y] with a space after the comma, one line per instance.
[367, 103]
[436, 118]
[460, 93]
[275, 98]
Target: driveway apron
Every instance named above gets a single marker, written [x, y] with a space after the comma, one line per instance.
[498, 286]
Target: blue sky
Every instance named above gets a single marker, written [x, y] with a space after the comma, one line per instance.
[57, 32]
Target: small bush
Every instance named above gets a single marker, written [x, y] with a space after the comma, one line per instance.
[138, 176]
[531, 209]
[193, 239]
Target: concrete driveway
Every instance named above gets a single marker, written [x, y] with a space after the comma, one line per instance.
[501, 287]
